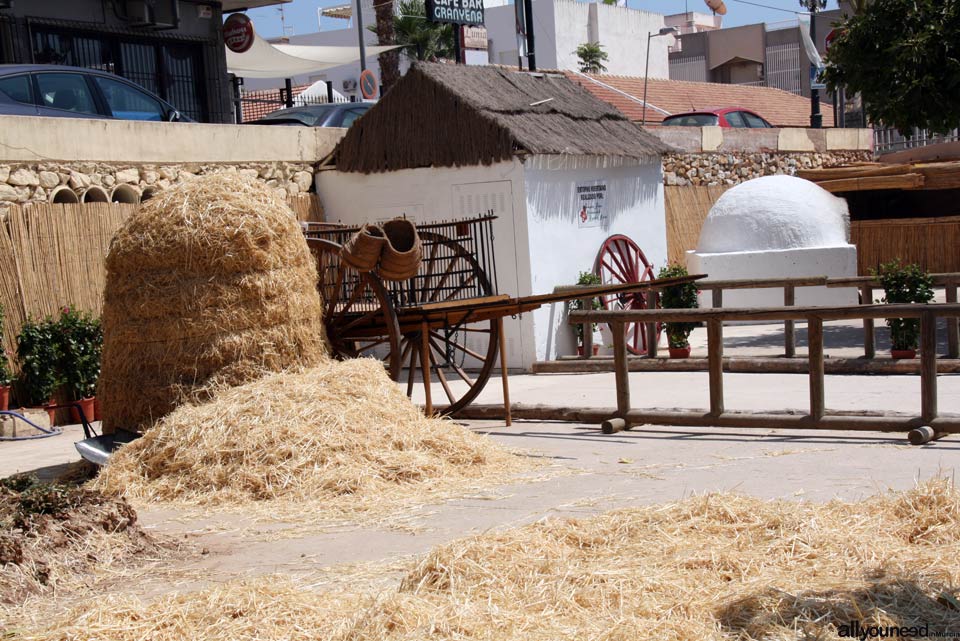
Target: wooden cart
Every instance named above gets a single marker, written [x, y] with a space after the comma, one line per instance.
[446, 323]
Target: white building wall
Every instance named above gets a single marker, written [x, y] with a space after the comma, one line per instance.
[442, 193]
[623, 34]
[560, 26]
[560, 247]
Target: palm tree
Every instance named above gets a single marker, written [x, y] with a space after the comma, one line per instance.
[425, 40]
[389, 61]
[592, 56]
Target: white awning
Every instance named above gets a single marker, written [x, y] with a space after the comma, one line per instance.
[264, 60]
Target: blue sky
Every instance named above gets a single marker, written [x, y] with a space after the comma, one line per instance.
[301, 15]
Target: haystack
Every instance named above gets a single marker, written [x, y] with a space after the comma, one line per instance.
[340, 437]
[210, 283]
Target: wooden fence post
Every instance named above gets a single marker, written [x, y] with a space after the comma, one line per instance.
[715, 363]
[953, 326]
[587, 328]
[869, 346]
[789, 337]
[620, 368]
[815, 339]
[651, 328]
[928, 366]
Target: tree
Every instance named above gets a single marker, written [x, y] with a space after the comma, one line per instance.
[425, 40]
[390, 60]
[902, 56]
[592, 56]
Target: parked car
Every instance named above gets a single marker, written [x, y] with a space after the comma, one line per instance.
[336, 114]
[718, 117]
[77, 92]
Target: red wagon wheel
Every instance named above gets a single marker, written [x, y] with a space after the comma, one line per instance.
[621, 261]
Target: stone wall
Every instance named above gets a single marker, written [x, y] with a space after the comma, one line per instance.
[26, 182]
[712, 169]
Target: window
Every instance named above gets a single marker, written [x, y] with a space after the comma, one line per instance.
[754, 121]
[734, 119]
[127, 103]
[17, 88]
[692, 120]
[350, 115]
[66, 91]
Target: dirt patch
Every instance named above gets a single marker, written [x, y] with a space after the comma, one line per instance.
[53, 534]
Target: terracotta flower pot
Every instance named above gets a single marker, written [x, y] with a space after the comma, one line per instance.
[903, 353]
[4, 398]
[51, 412]
[96, 408]
[679, 352]
[86, 404]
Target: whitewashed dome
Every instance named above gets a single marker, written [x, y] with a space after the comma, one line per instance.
[775, 213]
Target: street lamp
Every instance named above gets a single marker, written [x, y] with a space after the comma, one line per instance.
[813, 6]
[666, 31]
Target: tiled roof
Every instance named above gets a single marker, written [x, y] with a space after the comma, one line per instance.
[257, 104]
[780, 108]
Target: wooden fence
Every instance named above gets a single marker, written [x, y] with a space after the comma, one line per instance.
[53, 255]
[932, 243]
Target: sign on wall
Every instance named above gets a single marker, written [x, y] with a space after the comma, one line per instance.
[590, 200]
[468, 12]
[474, 38]
[238, 33]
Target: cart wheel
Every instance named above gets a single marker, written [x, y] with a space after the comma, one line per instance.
[461, 356]
[620, 261]
[358, 314]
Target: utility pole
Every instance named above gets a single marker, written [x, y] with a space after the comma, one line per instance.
[816, 118]
[528, 16]
[363, 46]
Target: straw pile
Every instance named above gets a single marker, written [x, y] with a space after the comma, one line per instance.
[210, 283]
[340, 436]
[716, 567]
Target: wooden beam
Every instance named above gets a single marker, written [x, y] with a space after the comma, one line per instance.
[840, 173]
[869, 335]
[504, 374]
[928, 367]
[904, 181]
[425, 367]
[789, 336]
[651, 328]
[620, 368]
[763, 283]
[815, 338]
[746, 365]
[953, 326]
[847, 312]
[715, 364]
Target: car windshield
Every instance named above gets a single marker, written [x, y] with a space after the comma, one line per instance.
[692, 120]
[309, 117]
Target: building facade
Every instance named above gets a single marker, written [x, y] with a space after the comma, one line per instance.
[173, 48]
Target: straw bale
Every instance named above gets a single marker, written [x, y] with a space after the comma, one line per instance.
[340, 437]
[719, 567]
[209, 284]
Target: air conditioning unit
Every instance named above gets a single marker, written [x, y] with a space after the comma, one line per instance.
[153, 14]
[350, 84]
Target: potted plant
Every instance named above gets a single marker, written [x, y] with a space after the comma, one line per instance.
[678, 297]
[4, 371]
[904, 284]
[38, 357]
[80, 340]
[586, 278]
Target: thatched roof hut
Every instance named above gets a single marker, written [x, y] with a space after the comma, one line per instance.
[445, 115]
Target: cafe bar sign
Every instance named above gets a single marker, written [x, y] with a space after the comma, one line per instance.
[466, 12]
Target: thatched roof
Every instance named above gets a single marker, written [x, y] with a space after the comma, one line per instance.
[458, 115]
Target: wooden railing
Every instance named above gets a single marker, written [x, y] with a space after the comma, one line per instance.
[925, 426]
[867, 286]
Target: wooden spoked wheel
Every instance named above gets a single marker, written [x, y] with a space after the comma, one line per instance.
[357, 310]
[460, 352]
[621, 261]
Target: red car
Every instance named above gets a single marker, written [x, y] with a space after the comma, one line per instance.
[718, 117]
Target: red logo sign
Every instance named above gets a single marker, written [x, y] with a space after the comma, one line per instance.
[368, 84]
[238, 33]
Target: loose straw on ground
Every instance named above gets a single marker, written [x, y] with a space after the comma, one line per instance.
[339, 440]
[711, 568]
